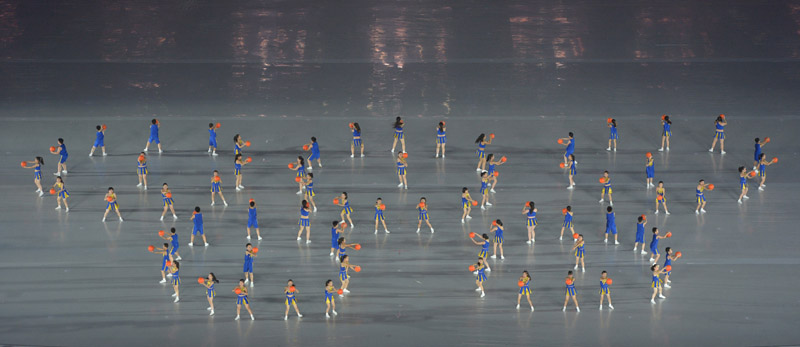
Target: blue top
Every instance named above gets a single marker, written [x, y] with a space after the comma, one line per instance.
[62, 149]
[314, 148]
[356, 133]
[742, 180]
[484, 184]
[603, 285]
[699, 192]
[198, 219]
[613, 129]
[610, 219]
[303, 212]
[398, 129]
[174, 239]
[252, 213]
[485, 246]
[154, 130]
[334, 234]
[212, 135]
[439, 132]
[758, 150]
[248, 258]
[400, 164]
[639, 228]
[667, 126]
[667, 261]
[568, 217]
[481, 145]
[531, 214]
[100, 136]
[720, 127]
[491, 168]
[654, 243]
[761, 167]
[176, 274]
[499, 231]
[571, 145]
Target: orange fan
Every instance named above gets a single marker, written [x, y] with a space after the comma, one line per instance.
[609, 281]
[249, 159]
[336, 201]
[608, 120]
[351, 125]
[292, 289]
[201, 280]
[602, 180]
[291, 165]
[472, 268]
[52, 191]
[775, 160]
[560, 141]
[752, 174]
[237, 291]
[494, 223]
[568, 281]
[659, 197]
[644, 217]
[710, 187]
[564, 211]
[471, 234]
[247, 143]
[255, 250]
[357, 268]
[767, 140]
[297, 179]
[305, 147]
[663, 116]
[668, 235]
[151, 248]
[216, 179]
[491, 135]
[496, 174]
[219, 125]
[168, 195]
[503, 159]
[474, 203]
[161, 233]
[383, 207]
[168, 263]
[344, 225]
[722, 116]
[104, 127]
[52, 148]
[252, 200]
[648, 154]
[141, 158]
[521, 283]
[22, 164]
[575, 235]
[357, 247]
[340, 292]
[668, 268]
[405, 155]
[562, 165]
[110, 198]
[678, 254]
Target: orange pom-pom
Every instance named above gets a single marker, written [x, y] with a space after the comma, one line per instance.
[775, 160]
[249, 159]
[252, 200]
[351, 125]
[668, 268]
[503, 159]
[158, 122]
[104, 127]
[161, 233]
[291, 165]
[335, 201]
[491, 135]
[663, 117]
[292, 289]
[237, 291]
[767, 140]
[142, 158]
[405, 155]
[710, 187]
[494, 223]
[357, 268]
[568, 281]
[644, 217]
[168, 195]
[151, 248]
[575, 235]
[247, 143]
[52, 148]
[659, 197]
[564, 211]
[669, 234]
[219, 125]
[752, 174]
[496, 174]
[52, 191]
[22, 164]
[521, 283]
[444, 123]
[608, 120]
[562, 165]
[383, 207]
[472, 268]
[168, 263]
[201, 280]
[305, 147]
[217, 179]
[678, 254]
[110, 198]
[609, 281]
[297, 179]
[474, 203]
[357, 247]
[471, 234]
[194, 213]
[560, 141]
[648, 154]
[602, 180]
[722, 116]
[255, 250]
[340, 292]
[344, 225]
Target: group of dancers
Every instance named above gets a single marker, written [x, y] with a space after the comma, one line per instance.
[487, 168]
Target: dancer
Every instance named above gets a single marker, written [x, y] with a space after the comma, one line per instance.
[482, 141]
[342, 247]
[720, 124]
[61, 150]
[173, 239]
[344, 266]
[570, 292]
[164, 252]
[241, 298]
[99, 140]
[290, 290]
[238, 143]
[666, 133]
[611, 225]
[604, 293]
[641, 222]
[309, 184]
[572, 171]
[197, 228]
[238, 163]
[580, 253]
[491, 172]
[480, 267]
[166, 196]
[336, 229]
[606, 181]
[209, 283]
[668, 258]
[613, 136]
[356, 140]
[216, 188]
[401, 169]
[701, 197]
[422, 208]
[212, 138]
[661, 197]
[176, 279]
[111, 204]
[743, 177]
[657, 285]
[485, 190]
[141, 169]
[567, 212]
[345, 204]
[252, 219]
[61, 193]
[497, 228]
[484, 252]
[314, 147]
[37, 172]
[249, 256]
[649, 170]
[154, 127]
[762, 170]
[441, 138]
[466, 204]
[524, 288]
[654, 245]
[530, 210]
[304, 222]
[398, 133]
[379, 207]
[300, 166]
[329, 301]
[568, 142]
[757, 154]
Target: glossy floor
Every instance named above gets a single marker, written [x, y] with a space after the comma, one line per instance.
[280, 72]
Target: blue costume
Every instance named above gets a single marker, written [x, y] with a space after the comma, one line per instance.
[215, 186]
[37, 171]
[356, 138]
[667, 130]
[211, 292]
[423, 212]
[176, 278]
[334, 238]
[757, 152]
[378, 214]
[611, 225]
[304, 222]
[699, 194]
[531, 218]
[63, 152]
[441, 136]
[498, 235]
[481, 150]
[613, 135]
[98, 141]
[603, 287]
[570, 147]
[174, 243]
[401, 168]
[314, 152]
[484, 252]
[580, 251]
[720, 134]
[640, 233]
[525, 289]
[398, 132]
[568, 220]
[248, 263]
[481, 273]
[241, 297]
[167, 201]
[212, 138]
[649, 168]
[571, 288]
[153, 134]
[654, 245]
[252, 218]
[141, 166]
[198, 224]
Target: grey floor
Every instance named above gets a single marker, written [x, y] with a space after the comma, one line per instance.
[279, 72]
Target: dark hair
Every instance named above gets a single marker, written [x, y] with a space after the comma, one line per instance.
[310, 175]
[341, 260]
[701, 180]
[571, 135]
[164, 184]
[154, 121]
[313, 139]
[758, 140]
[480, 138]
[237, 157]
[653, 268]
[216, 171]
[99, 127]
[489, 157]
[484, 173]
[252, 203]
[609, 209]
[464, 190]
[358, 128]
[569, 208]
[397, 122]
[666, 119]
[241, 280]
[340, 241]
[109, 188]
[379, 198]
[166, 245]
[60, 140]
[640, 219]
[741, 168]
[213, 277]
[526, 273]
[172, 230]
[441, 125]
[345, 194]
[335, 223]
[569, 272]
[667, 249]
[485, 236]
[210, 125]
[660, 182]
[304, 203]
[236, 138]
[580, 235]
[761, 156]
[499, 222]
[614, 122]
[177, 264]
[197, 208]
[302, 161]
[654, 229]
[604, 272]
[719, 118]
[531, 205]
[605, 172]
[248, 244]
[572, 156]
[40, 160]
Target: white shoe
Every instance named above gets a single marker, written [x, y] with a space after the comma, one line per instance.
[299, 315]
[145, 187]
[299, 192]
[746, 197]
[488, 269]
[387, 231]
[606, 240]
[211, 313]
[58, 208]
[696, 212]
[601, 307]
[212, 203]
[392, 150]
[528, 242]
[661, 149]
[531, 308]
[400, 185]
[160, 151]
[162, 218]
[178, 258]
[661, 296]
[259, 238]
[248, 237]
[214, 153]
[702, 210]
[583, 269]
[207, 244]
[518, 306]
[475, 273]
[667, 286]
[326, 313]
[41, 193]
[362, 155]
[436, 156]
[722, 152]
[139, 185]
[651, 259]
[174, 295]
[163, 280]
[615, 149]
[502, 257]
[643, 252]
[177, 299]
[494, 256]
[610, 203]
[576, 267]
[488, 203]
[601, 201]
[238, 189]
[462, 219]
[104, 219]
[652, 301]
[634, 250]
[308, 241]
[63, 171]
[310, 168]
[346, 291]
[740, 201]
[611, 306]
[241, 186]
[56, 173]
[469, 217]
[667, 149]
[616, 242]
[564, 309]
[482, 207]
[334, 312]
[246, 280]
[417, 231]
[478, 289]
[711, 149]
[492, 191]
[120, 219]
[252, 317]
[174, 217]
[608, 149]
[299, 238]
[191, 244]
[145, 150]
[478, 169]
[666, 212]
[571, 187]
[315, 209]
[560, 238]
[237, 317]
[483, 294]
[656, 212]
[761, 188]
[252, 284]
[577, 309]
[209, 151]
